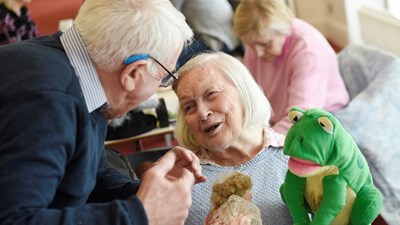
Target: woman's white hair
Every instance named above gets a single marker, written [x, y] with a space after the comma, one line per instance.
[112, 30]
[256, 107]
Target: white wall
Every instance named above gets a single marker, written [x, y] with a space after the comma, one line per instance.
[380, 28]
[338, 20]
[352, 14]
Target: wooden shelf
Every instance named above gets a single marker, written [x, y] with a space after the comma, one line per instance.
[165, 131]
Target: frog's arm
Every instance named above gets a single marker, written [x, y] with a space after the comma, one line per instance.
[293, 193]
[333, 201]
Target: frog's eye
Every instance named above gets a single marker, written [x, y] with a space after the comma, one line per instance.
[295, 116]
[326, 124]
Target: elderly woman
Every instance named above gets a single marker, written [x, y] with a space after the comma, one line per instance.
[223, 117]
[290, 59]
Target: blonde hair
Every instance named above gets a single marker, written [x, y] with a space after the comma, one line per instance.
[114, 30]
[261, 17]
[236, 183]
[256, 107]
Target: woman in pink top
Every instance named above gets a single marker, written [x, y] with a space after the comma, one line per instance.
[291, 60]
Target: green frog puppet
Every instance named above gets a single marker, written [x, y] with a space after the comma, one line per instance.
[327, 173]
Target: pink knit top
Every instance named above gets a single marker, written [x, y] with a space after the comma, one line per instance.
[305, 75]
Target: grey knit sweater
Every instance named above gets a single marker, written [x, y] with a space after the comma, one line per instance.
[267, 170]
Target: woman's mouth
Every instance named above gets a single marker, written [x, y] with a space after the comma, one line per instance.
[212, 128]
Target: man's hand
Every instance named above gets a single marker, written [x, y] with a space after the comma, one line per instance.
[165, 190]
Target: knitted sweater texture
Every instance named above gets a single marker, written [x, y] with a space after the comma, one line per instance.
[267, 170]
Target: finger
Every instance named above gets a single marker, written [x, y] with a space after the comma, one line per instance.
[193, 165]
[165, 164]
[188, 159]
[183, 154]
[185, 178]
[197, 169]
[177, 158]
[200, 179]
[174, 159]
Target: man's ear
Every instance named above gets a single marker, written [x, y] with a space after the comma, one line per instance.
[131, 74]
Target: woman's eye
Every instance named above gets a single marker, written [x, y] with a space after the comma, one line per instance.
[212, 94]
[188, 109]
[267, 44]
[185, 108]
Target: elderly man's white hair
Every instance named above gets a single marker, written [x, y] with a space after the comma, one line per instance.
[115, 29]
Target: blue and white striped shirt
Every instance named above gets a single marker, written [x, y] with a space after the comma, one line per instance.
[89, 81]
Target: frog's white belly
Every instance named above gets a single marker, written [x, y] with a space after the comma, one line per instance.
[314, 193]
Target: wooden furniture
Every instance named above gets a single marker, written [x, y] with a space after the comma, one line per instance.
[379, 221]
[170, 102]
[165, 131]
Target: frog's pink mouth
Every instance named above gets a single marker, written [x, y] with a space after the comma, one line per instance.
[302, 167]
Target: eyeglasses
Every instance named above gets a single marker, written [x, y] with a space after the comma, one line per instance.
[166, 81]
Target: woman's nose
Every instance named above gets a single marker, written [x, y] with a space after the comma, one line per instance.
[204, 112]
[259, 51]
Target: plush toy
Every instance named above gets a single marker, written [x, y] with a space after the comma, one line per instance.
[327, 173]
[231, 199]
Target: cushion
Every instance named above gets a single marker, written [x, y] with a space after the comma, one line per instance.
[372, 77]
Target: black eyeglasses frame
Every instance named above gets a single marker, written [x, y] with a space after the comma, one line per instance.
[166, 80]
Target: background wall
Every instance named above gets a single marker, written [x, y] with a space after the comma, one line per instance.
[326, 15]
[47, 13]
[341, 21]
[348, 21]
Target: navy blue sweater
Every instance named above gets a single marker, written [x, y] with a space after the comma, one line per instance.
[53, 168]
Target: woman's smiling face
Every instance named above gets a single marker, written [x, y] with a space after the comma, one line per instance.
[212, 107]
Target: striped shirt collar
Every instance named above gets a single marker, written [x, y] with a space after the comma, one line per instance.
[89, 81]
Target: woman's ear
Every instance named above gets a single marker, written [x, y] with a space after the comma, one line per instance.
[130, 76]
